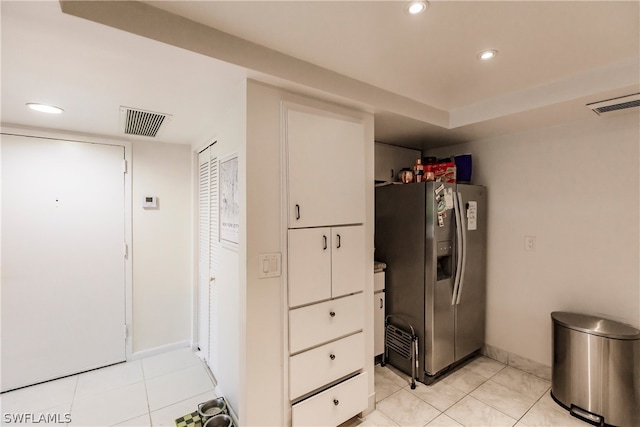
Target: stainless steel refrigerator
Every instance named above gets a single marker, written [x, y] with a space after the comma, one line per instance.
[432, 236]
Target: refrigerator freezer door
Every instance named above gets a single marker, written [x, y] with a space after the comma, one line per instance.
[440, 224]
[472, 292]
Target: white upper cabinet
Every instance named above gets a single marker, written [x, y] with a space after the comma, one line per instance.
[325, 156]
[390, 160]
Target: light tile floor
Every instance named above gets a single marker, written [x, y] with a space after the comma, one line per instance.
[151, 391]
[482, 393]
[157, 390]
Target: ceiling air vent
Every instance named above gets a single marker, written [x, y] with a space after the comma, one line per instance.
[615, 104]
[142, 123]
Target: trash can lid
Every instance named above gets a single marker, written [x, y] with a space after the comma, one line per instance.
[596, 325]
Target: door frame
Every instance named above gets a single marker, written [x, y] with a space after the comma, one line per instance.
[76, 137]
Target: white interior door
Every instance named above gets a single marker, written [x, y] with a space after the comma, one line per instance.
[208, 244]
[63, 262]
[204, 236]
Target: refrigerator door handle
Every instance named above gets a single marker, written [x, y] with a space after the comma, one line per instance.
[463, 233]
[456, 280]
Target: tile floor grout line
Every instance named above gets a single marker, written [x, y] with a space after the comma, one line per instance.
[73, 399]
[180, 401]
[191, 366]
[146, 392]
[468, 394]
[534, 404]
[513, 391]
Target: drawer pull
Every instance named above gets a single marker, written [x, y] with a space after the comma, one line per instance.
[332, 356]
[324, 246]
[336, 402]
[332, 313]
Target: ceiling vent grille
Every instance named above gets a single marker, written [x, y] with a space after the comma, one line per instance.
[615, 104]
[142, 123]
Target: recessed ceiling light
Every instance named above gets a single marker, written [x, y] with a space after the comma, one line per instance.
[415, 7]
[485, 55]
[43, 108]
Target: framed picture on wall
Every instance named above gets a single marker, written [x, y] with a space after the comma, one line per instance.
[229, 203]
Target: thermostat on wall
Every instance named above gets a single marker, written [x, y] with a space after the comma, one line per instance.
[150, 202]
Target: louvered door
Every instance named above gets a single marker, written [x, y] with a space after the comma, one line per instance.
[208, 242]
[204, 248]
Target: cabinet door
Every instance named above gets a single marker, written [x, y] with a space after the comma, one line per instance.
[325, 170]
[389, 160]
[309, 265]
[347, 260]
[378, 322]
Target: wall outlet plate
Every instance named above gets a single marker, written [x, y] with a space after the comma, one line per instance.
[530, 243]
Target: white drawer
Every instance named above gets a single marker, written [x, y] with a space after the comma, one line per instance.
[315, 368]
[333, 406]
[323, 322]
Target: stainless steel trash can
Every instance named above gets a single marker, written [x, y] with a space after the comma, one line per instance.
[596, 369]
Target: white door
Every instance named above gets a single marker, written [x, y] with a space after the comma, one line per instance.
[309, 265]
[63, 261]
[204, 235]
[208, 244]
[347, 260]
[325, 170]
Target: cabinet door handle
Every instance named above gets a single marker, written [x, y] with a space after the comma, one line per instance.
[339, 241]
[324, 247]
[297, 211]
[332, 313]
[381, 306]
[332, 356]
[336, 402]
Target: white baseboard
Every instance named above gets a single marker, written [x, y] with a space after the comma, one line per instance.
[159, 350]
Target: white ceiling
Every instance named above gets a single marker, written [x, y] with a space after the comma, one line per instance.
[418, 74]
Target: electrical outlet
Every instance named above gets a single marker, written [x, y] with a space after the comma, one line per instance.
[530, 243]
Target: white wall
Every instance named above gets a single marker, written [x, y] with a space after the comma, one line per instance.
[576, 188]
[230, 137]
[161, 246]
[264, 372]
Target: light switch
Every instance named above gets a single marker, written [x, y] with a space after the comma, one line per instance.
[269, 265]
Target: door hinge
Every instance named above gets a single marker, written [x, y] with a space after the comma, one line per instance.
[124, 165]
[126, 330]
[126, 251]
